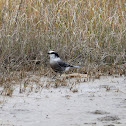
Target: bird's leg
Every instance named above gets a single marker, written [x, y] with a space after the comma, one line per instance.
[54, 76]
[60, 74]
[61, 78]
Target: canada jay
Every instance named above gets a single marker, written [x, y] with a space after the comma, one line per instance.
[58, 65]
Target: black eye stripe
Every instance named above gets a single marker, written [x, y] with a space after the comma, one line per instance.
[56, 54]
[53, 53]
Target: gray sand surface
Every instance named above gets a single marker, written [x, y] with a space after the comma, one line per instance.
[101, 102]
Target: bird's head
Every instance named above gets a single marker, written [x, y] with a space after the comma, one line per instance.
[53, 54]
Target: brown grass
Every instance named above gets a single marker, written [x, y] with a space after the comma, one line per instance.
[85, 32]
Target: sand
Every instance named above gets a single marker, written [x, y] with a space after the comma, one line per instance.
[101, 102]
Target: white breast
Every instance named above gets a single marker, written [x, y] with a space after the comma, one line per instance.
[54, 60]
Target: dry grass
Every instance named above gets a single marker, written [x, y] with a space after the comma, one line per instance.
[85, 32]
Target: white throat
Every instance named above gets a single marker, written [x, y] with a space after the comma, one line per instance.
[53, 58]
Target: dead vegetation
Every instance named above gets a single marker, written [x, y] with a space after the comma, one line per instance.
[86, 32]
[91, 32]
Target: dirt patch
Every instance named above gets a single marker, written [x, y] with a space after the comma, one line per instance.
[100, 112]
[109, 118]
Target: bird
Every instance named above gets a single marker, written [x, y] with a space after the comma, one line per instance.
[57, 64]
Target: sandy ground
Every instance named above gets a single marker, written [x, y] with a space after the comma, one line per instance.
[101, 102]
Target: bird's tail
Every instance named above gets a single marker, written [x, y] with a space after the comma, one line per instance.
[77, 66]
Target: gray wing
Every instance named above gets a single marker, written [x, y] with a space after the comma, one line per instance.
[59, 66]
[63, 64]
